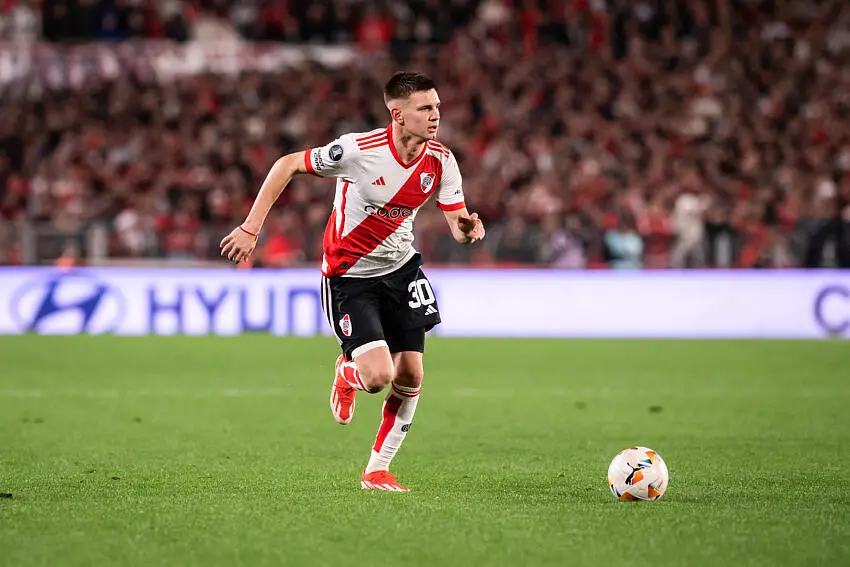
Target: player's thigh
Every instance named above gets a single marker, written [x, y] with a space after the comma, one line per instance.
[408, 302]
[353, 311]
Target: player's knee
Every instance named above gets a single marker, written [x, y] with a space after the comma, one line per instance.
[377, 379]
[409, 377]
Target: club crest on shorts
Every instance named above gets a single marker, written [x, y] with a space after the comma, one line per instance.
[426, 180]
[345, 325]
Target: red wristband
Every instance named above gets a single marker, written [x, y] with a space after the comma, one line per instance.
[247, 232]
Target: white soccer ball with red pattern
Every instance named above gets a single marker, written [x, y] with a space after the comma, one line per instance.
[638, 473]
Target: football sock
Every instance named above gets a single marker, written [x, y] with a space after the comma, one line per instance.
[399, 407]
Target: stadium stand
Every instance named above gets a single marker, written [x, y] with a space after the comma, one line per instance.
[591, 134]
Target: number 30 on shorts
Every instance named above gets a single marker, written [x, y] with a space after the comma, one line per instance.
[421, 293]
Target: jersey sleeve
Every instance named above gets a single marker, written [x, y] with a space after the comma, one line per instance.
[450, 193]
[333, 160]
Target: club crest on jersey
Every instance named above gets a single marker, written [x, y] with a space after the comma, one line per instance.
[426, 180]
[345, 325]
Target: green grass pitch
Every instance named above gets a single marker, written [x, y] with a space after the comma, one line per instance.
[222, 451]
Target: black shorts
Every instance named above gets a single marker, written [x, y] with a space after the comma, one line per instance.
[396, 309]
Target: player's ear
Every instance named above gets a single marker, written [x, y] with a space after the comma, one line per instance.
[397, 116]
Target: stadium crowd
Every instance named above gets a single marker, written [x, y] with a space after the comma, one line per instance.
[591, 134]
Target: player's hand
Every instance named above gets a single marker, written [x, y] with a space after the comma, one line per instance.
[472, 227]
[238, 245]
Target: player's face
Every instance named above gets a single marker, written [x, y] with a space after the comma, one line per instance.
[421, 114]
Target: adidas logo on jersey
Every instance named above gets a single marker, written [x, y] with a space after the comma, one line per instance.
[379, 182]
[430, 310]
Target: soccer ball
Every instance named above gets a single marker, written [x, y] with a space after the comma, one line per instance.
[638, 473]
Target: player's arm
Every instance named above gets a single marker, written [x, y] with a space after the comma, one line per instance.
[279, 176]
[333, 160]
[239, 244]
[466, 228]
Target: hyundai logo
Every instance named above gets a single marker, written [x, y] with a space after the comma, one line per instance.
[832, 309]
[67, 303]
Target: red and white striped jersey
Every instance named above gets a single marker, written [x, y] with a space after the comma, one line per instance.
[370, 231]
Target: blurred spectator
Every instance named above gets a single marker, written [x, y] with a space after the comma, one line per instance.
[20, 20]
[774, 252]
[515, 241]
[213, 26]
[281, 244]
[721, 238]
[689, 226]
[656, 229]
[564, 246]
[623, 245]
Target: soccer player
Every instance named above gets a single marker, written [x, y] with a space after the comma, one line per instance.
[376, 297]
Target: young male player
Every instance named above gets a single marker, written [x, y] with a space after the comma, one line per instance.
[376, 297]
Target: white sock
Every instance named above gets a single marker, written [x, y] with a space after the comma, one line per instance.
[399, 407]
